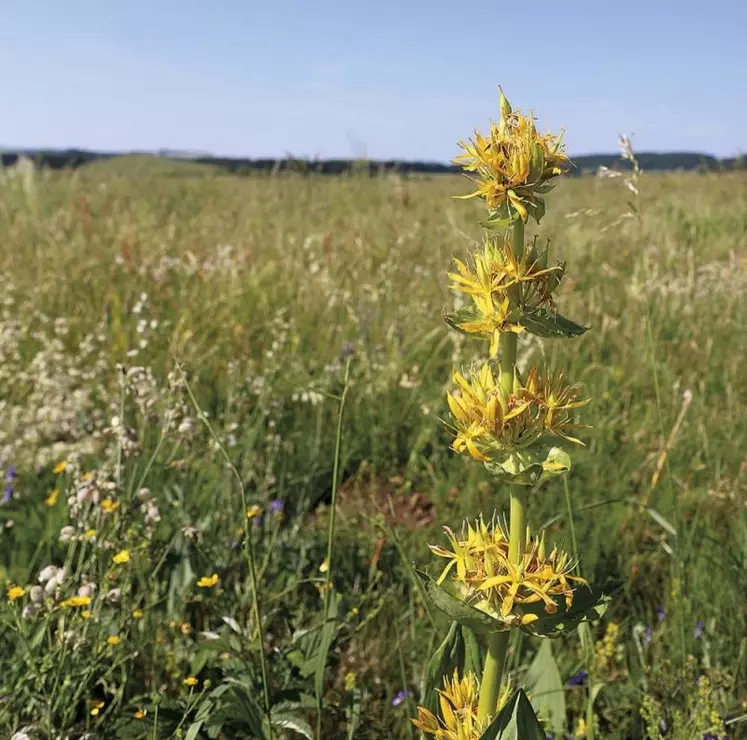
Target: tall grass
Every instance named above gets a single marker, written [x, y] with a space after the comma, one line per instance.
[263, 288]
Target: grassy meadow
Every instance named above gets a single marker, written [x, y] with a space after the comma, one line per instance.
[176, 346]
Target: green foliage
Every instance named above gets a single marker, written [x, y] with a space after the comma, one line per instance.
[516, 721]
[545, 684]
[261, 287]
[550, 325]
[460, 651]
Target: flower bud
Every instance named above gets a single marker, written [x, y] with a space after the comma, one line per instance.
[36, 594]
[505, 112]
[67, 533]
[505, 105]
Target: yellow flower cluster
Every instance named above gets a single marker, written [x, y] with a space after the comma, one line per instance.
[491, 422]
[479, 564]
[504, 286]
[513, 164]
[458, 704]
[608, 652]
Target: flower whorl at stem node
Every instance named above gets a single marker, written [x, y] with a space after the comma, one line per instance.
[484, 576]
[504, 287]
[513, 165]
[458, 704]
[492, 424]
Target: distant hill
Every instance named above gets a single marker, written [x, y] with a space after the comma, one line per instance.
[584, 164]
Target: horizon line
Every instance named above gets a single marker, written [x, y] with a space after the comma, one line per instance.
[165, 152]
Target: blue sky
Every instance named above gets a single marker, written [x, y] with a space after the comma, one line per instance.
[385, 79]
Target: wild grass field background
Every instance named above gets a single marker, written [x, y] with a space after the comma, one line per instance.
[262, 290]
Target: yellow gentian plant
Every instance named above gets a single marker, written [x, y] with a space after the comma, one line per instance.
[520, 425]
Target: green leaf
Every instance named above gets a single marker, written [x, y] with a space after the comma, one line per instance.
[516, 721]
[448, 655]
[473, 653]
[657, 517]
[498, 224]
[194, 730]
[459, 611]
[460, 651]
[531, 467]
[589, 605]
[288, 721]
[325, 643]
[462, 316]
[500, 219]
[546, 687]
[538, 208]
[550, 325]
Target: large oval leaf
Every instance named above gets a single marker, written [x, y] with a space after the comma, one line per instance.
[459, 611]
[516, 721]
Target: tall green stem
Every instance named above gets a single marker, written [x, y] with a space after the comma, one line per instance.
[507, 345]
[517, 542]
[492, 673]
[508, 348]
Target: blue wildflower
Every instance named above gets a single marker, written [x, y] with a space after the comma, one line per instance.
[7, 494]
[661, 613]
[277, 506]
[698, 631]
[400, 697]
[647, 635]
[578, 679]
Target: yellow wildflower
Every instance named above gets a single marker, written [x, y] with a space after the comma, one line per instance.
[458, 703]
[61, 467]
[89, 534]
[122, 557]
[324, 567]
[350, 680]
[74, 601]
[208, 581]
[608, 651]
[137, 614]
[15, 592]
[96, 707]
[109, 505]
[504, 287]
[253, 512]
[190, 681]
[51, 500]
[140, 713]
[580, 730]
[491, 423]
[113, 640]
[512, 166]
[479, 565]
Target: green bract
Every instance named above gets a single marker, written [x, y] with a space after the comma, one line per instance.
[531, 467]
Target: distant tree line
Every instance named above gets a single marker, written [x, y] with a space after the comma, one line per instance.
[586, 164]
